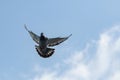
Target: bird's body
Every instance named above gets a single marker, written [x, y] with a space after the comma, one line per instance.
[43, 41]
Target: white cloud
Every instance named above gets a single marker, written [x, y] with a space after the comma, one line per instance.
[45, 76]
[101, 64]
[115, 76]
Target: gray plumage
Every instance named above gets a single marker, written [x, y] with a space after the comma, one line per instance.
[43, 43]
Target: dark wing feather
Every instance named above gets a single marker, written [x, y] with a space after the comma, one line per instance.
[33, 35]
[56, 41]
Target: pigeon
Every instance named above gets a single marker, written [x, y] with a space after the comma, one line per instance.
[44, 44]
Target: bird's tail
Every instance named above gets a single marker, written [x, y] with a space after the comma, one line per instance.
[47, 53]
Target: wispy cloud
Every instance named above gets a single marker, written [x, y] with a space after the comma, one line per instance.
[100, 60]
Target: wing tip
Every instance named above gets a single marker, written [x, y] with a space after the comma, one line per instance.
[70, 35]
[26, 27]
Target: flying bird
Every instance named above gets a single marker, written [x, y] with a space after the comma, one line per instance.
[44, 44]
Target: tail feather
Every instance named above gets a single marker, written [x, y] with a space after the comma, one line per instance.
[48, 52]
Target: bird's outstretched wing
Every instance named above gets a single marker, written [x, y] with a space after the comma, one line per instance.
[55, 41]
[33, 35]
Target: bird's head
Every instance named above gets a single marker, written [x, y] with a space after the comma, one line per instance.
[42, 34]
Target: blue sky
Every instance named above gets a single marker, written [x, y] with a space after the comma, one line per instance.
[93, 24]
